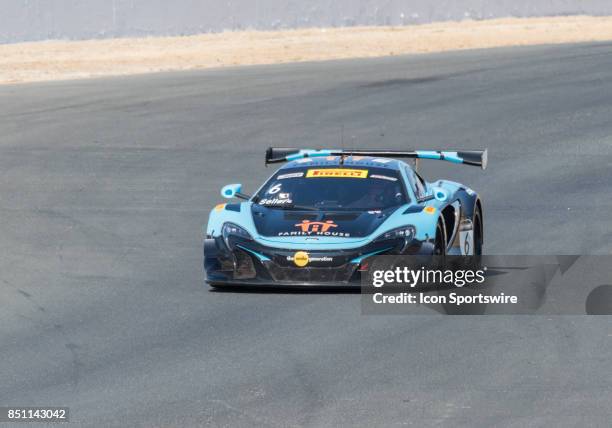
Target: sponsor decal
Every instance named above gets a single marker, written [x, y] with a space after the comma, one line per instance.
[291, 175]
[304, 160]
[337, 173]
[219, 207]
[283, 196]
[275, 201]
[382, 160]
[302, 258]
[322, 259]
[316, 228]
[383, 177]
[329, 233]
[429, 210]
[274, 189]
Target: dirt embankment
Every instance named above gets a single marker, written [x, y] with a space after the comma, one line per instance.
[59, 60]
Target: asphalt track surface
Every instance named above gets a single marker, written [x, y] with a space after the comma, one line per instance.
[105, 186]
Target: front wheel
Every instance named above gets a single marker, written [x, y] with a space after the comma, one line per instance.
[440, 241]
[478, 233]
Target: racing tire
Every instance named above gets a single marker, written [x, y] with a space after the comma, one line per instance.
[478, 240]
[440, 238]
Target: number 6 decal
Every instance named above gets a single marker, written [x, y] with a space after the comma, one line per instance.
[274, 189]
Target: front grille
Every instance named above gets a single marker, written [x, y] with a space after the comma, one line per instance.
[312, 274]
[322, 266]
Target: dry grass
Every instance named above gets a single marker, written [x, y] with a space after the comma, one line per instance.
[59, 60]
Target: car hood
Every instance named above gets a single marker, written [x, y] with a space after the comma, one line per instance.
[310, 226]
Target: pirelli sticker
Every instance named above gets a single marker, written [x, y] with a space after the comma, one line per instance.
[337, 173]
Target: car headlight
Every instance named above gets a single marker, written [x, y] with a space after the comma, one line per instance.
[405, 232]
[231, 229]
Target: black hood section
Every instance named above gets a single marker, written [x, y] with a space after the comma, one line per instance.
[273, 222]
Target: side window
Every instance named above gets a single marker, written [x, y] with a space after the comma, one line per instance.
[418, 186]
[420, 183]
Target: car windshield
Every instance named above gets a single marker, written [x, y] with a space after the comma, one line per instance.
[338, 188]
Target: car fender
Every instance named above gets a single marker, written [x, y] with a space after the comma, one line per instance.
[238, 213]
[424, 217]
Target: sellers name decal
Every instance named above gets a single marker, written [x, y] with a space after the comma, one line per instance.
[275, 201]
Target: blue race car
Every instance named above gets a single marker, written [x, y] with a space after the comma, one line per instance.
[316, 221]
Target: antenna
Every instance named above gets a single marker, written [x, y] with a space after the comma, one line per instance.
[352, 144]
[342, 143]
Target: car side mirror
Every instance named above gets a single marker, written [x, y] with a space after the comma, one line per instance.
[233, 191]
[440, 194]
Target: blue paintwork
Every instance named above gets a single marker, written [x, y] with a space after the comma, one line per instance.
[424, 223]
[308, 153]
[365, 256]
[448, 156]
[307, 156]
[413, 213]
[440, 194]
[230, 190]
[350, 161]
[452, 157]
[323, 243]
[260, 256]
[424, 154]
[242, 218]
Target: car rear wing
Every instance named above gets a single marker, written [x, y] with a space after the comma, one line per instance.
[470, 157]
